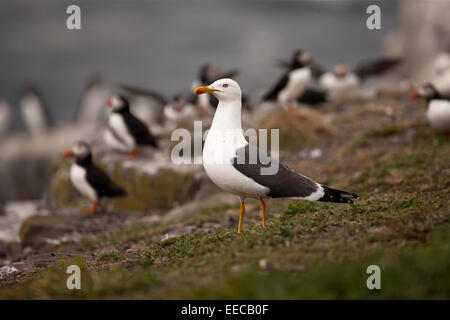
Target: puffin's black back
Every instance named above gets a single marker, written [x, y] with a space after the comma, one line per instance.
[280, 85]
[136, 127]
[99, 180]
[139, 130]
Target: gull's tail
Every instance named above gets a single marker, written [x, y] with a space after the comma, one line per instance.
[338, 196]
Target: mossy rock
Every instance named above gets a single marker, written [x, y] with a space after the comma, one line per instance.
[36, 230]
[298, 127]
[160, 191]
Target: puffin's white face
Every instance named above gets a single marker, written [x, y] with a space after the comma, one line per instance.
[305, 57]
[425, 91]
[79, 150]
[223, 89]
[340, 70]
[116, 102]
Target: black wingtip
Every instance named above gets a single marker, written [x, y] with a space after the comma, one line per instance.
[337, 196]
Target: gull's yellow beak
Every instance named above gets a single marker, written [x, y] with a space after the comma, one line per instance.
[205, 89]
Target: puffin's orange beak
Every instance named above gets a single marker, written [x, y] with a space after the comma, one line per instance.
[414, 95]
[68, 154]
[205, 89]
[109, 102]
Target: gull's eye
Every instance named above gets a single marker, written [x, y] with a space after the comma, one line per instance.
[225, 85]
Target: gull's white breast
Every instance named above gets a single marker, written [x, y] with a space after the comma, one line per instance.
[218, 153]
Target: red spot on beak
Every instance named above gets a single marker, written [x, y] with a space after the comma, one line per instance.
[414, 95]
[109, 102]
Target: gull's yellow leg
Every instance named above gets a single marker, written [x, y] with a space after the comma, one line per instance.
[241, 216]
[262, 205]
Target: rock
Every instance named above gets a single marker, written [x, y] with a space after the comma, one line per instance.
[314, 126]
[151, 184]
[6, 271]
[8, 250]
[36, 230]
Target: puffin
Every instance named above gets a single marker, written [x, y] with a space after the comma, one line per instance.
[175, 110]
[91, 107]
[125, 132]
[89, 179]
[342, 84]
[178, 111]
[34, 110]
[5, 117]
[438, 107]
[146, 104]
[236, 166]
[441, 80]
[208, 73]
[295, 80]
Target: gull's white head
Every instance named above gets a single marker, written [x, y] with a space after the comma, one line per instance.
[223, 89]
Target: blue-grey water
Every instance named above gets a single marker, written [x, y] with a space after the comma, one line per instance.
[161, 44]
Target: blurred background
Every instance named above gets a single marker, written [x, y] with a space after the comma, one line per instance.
[162, 44]
[374, 142]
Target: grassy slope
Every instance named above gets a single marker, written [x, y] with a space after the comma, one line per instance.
[309, 250]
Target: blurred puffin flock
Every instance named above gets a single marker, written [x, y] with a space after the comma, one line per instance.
[131, 122]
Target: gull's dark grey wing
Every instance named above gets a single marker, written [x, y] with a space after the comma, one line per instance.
[285, 183]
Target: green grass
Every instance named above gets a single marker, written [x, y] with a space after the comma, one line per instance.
[410, 273]
[110, 257]
[311, 250]
[385, 131]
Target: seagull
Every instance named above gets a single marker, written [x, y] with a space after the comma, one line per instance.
[226, 152]
[91, 108]
[88, 179]
[438, 113]
[125, 132]
[35, 111]
[178, 111]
